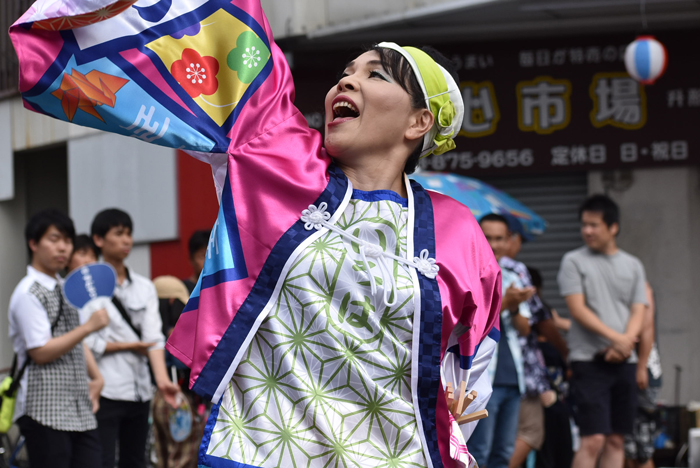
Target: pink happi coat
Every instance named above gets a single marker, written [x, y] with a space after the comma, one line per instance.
[129, 68]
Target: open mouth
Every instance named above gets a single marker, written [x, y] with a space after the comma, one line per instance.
[344, 110]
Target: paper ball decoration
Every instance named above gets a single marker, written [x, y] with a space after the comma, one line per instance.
[645, 59]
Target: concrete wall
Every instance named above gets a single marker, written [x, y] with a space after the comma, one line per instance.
[660, 211]
[13, 261]
[107, 170]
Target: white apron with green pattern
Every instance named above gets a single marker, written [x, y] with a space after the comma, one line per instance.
[326, 381]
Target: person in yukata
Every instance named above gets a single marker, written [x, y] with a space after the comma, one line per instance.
[333, 356]
[337, 298]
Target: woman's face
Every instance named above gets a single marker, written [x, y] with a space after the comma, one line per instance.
[367, 111]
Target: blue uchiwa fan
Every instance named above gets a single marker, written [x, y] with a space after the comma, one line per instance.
[89, 282]
[483, 199]
[180, 421]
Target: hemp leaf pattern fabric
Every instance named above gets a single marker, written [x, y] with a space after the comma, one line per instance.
[326, 381]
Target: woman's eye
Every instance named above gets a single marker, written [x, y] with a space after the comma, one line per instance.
[376, 74]
[340, 76]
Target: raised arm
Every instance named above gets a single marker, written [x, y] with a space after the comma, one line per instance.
[194, 75]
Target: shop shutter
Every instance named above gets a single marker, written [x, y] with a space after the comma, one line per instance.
[556, 198]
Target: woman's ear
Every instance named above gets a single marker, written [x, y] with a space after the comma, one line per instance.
[420, 123]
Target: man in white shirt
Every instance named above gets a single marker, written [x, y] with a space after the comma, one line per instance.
[55, 402]
[125, 349]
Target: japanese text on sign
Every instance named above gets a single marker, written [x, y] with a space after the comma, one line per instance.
[572, 56]
[482, 159]
[543, 105]
[618, 100]
[481, 114]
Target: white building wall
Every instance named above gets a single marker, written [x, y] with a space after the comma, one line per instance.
[31, 130]
[114, 171]
[660, 224]
[7, 184]
[140, 259]
[300, 17]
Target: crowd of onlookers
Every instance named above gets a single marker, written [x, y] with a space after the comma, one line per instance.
[96, 381]
[94, 387]
[595, 390]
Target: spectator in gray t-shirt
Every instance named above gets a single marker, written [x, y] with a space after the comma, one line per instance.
[610, 285]
[604, 289]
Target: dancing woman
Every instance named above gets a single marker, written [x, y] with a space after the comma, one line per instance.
[338, 297]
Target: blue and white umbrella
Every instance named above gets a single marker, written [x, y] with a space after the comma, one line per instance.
[483, 199]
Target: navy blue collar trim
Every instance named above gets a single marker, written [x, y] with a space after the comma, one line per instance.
[376, 195]
[429, 380]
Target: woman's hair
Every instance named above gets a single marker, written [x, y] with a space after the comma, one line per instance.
[400, 70]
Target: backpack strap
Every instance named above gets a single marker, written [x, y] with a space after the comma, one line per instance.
[120, 307]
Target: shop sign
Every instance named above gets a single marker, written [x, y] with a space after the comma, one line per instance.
[559, 104]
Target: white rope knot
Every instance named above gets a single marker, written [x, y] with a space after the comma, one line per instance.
[372, 251]
[315, 217]
[378, 254]
[426, 265]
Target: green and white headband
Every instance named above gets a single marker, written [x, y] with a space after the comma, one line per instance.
[442, 97]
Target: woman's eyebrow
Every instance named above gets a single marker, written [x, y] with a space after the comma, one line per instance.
[371, 62]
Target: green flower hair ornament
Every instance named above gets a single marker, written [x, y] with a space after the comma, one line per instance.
[442, 97]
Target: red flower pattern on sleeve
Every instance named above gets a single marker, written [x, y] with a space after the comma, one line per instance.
[196, 74]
